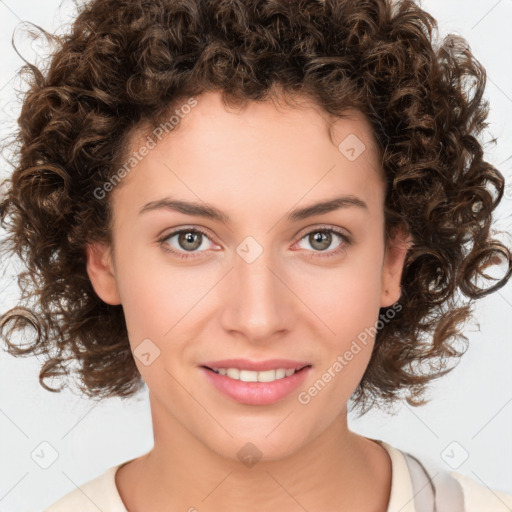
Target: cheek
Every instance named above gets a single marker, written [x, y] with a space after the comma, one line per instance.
[345, 299]
[161, 303]
[345, 350]
[153, 294]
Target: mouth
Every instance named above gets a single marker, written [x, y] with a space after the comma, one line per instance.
[270, 375]
[265, 386]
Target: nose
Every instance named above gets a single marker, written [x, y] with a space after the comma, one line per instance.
[257, 300]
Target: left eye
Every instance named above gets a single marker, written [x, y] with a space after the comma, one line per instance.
[321, 240]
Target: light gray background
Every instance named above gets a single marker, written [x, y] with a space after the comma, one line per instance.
[471, 409]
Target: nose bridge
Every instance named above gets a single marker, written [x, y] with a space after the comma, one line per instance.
[259, 305]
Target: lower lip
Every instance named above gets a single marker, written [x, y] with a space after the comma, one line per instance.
[256, 393]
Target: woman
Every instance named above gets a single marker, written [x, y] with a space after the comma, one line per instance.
[260, 210]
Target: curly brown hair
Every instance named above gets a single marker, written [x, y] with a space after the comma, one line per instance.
[125, 64]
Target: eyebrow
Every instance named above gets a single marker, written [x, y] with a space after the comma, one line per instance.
[210, 212]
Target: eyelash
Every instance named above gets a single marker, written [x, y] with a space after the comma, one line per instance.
[184, 256]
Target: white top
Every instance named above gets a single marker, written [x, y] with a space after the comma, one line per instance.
[101, 493]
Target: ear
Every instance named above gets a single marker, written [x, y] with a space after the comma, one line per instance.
[101, 272]
[394, 258]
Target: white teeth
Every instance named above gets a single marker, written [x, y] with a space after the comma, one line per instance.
[280, 373]
[233, 373]
[248, 376]
[266, 376]
[253, 376]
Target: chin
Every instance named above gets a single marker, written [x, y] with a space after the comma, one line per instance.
[264, 444]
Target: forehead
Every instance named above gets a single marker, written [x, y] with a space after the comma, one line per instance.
[287, 152]
[298, 113]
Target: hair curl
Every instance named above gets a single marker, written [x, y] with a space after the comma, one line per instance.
[125, 64]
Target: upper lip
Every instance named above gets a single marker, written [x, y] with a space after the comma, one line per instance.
[246, 364]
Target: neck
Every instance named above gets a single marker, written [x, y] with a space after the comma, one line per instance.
[181, 473]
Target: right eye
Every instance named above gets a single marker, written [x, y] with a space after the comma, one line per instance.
[187, 240]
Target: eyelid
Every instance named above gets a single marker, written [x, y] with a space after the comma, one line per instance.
[346, 242]
[300, 234]
[178, 229]
[340, 232]
[180, 254]
[321, 227]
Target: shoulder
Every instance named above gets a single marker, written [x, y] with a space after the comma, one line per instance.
[478, 497]
[99, 493]
[421, 484]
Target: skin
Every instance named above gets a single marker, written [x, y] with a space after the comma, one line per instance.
[291, 302]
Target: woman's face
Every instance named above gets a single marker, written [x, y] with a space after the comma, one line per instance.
[271, 279]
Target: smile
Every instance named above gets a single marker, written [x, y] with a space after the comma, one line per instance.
[256, 387]
[253, 376]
